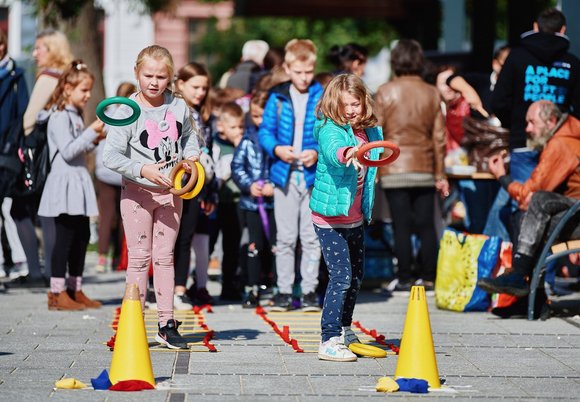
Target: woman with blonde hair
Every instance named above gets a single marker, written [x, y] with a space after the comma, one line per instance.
[52, 55]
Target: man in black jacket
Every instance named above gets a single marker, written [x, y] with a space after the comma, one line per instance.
[540, 68]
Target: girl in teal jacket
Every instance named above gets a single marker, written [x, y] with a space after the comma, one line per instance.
[342, 200]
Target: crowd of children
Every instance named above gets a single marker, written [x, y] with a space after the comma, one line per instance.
[280, 163]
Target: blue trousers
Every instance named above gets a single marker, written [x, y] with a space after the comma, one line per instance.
[343, 252]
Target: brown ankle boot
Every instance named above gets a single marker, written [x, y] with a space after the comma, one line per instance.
[82, 298]
[51, 301]
[64, 302]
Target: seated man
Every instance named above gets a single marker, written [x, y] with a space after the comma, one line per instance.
[555, 182]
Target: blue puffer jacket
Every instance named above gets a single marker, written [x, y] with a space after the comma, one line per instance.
[335, 185]
[277, 128]
[249, 165]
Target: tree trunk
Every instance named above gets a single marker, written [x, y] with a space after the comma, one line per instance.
[86, 44]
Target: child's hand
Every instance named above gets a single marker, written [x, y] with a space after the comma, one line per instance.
[268, 190]
[98, 126]
[309, 157]
[256, 189]
[285, 152]
[207, 207]
[152, 173]
[186, 166]
[351, 158]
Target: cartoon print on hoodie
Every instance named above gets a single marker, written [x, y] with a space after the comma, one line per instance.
[162, 138]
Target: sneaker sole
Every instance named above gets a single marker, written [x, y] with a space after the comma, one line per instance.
[311, 309]
[503, 289]
[337, 359]
[279, 309]
[162, 341]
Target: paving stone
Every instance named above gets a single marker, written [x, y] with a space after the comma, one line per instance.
[479, 356]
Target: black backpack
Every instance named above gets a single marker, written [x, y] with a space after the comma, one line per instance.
[34, 154]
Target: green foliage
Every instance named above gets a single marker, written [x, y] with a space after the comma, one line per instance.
[222, 49]
[54, 10]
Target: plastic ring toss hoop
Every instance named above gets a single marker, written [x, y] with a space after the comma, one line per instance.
[194, 182]
[198, 184]
[118, 100]
[395, 151]
[365, 350]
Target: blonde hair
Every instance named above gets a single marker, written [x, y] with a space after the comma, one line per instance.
[331, 107]
[58, 48]
[303, 50]
[157, 52]
[76, 72]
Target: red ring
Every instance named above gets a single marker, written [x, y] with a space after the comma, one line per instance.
[395, 151]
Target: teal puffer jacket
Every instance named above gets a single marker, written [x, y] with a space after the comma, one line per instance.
[335, 184]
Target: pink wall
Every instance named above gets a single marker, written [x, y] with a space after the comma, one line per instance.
[171, 28]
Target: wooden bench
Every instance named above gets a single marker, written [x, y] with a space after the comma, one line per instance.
[558, 250]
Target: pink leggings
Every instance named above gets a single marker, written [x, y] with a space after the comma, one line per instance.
[151, 223]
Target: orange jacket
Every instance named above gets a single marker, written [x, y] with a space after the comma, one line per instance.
[557, 169]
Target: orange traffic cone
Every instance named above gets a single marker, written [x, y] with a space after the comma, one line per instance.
[131, 359]
[417, 354]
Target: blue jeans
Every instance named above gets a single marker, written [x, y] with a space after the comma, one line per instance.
[499, 218]
[343, 251]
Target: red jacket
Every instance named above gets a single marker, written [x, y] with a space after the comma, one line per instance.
[557, 169]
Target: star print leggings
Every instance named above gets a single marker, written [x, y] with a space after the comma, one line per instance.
[151, 223]
[343, 252]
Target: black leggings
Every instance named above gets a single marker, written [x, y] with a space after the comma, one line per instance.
[259, 257]
[412, 211]
[231, 230]
[70, 247]
[182, 251]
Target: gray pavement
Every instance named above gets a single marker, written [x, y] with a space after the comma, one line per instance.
[478, 355]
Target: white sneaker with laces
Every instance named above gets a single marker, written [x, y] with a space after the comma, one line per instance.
[181, 302]
[347, 336]
[334, 350]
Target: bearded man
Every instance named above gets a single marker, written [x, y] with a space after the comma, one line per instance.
[546, 196]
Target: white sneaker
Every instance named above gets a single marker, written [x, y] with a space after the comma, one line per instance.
[334, 350]
[347, 336]
[182, 302]
[19, 269]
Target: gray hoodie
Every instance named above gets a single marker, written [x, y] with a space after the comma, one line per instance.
[148, 141]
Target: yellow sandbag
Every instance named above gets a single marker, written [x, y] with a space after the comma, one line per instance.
[387, 384]
[69, 383]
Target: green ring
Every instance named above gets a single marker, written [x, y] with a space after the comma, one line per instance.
[118, 100]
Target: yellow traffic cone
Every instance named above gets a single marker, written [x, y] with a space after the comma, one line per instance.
[417, 354]
[131, 359]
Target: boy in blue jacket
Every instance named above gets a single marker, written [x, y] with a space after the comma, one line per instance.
[286, 134]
